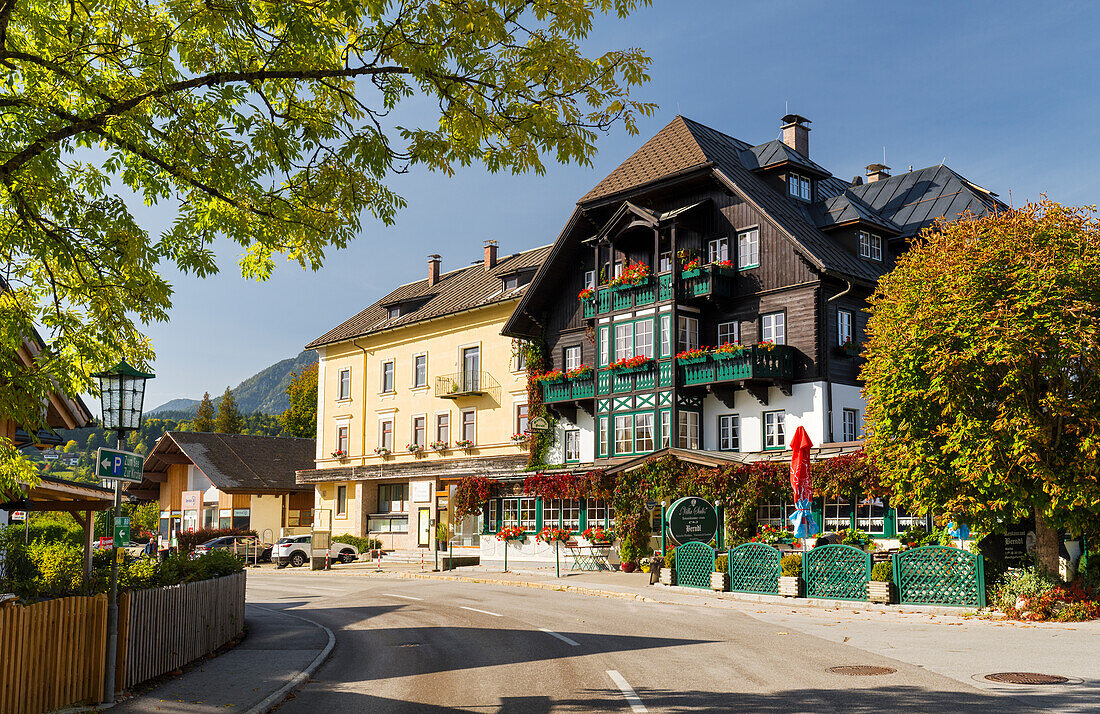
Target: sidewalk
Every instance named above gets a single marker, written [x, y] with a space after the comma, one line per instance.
[279, 651]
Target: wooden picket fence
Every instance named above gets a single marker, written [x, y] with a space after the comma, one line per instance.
[165, 628]
[52, 653]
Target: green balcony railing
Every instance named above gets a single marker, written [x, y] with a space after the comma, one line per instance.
[707, 281]
[753, 362]
[568, 390]
[630, 296]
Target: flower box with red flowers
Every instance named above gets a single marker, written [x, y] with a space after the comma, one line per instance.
[338, 454]
[382, 451]
[464, 444]
[510, 533]
[632, 276]
[519, 438]
[690, 269]
[551, 377]
[850, 348]
[581, 372]
[727, 350]
[598, 534]
[693, 356]
[626, 365]
[554, 535]
[586, 294]
[414, 449]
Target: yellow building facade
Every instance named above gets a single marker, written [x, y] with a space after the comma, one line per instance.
[415, 392]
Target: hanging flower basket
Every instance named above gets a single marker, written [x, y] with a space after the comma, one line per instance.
[586, 294]
[551, 535]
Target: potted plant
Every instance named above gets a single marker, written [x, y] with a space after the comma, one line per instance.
[440, 447]
[464, 444]
[382, 451]
[720, 578]
[442, 536]
[339, 454]
[881, 586]
[414, 449]
[693, 356]
[790, 578]
[668, 572]
[725, 267]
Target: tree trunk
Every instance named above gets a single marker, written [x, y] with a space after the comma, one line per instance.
[1046, 545]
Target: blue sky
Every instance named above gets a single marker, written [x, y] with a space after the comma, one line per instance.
[1005, 93]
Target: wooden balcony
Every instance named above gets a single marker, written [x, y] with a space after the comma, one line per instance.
[628, 297]
[707, 282]
[568, 390]
[755, 364]
[650, 376]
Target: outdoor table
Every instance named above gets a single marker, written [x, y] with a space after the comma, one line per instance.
[589, 557]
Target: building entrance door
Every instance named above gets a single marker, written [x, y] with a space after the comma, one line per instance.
[424, 527]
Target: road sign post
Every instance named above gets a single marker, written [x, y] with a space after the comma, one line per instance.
[118, 465]
[122, 530]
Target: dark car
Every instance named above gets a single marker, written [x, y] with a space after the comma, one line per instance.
[249, 548]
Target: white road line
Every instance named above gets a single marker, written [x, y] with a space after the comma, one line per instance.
[403, 597]
[631, 696]
[483, 612]
[563, 638]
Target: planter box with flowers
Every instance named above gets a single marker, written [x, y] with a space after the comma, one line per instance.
[552, 377]
[383, 452]
[727, 350]
[520, 439]
[690, 267]
[554, 535]
[725, 268]
[849, 348]
[510, 533]
[339, 454]
[597, 535]
[586, 294]
[697, 355]
[415, 449]
[464, 444]
[439, 447]
[632, 276]
[626, 365]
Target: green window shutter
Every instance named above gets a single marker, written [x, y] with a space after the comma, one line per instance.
[890, 522]
[817, 510]
[584, 514]
[538, 514]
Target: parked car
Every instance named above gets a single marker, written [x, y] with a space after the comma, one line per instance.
[248, 547]
[295, 550]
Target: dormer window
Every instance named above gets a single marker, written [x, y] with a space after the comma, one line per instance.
[870, 246]
[394, 312]
[799, 187]
[511, 282]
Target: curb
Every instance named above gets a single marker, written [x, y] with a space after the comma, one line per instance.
[277, 697]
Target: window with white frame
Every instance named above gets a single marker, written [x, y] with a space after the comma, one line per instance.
[774, 328]
[597, 513]
[604, 435]
[494, 515]
[572, 446]
[341, 501]
[666, 335]
[771, 514]
[664, 262]
[718, 249]
[689, 332]
[624, 434]
[509, 513]
[850, 424]
[345, 384]
[420, 431]
[729, 332]
[420, 371]
[799, 186]
[729, 432]
[342, 439]
[527, 513]
[571, 514]
[387, 377]
[572, 356]
[551, 512]
[443, 428]
[519, 358]
[689, 429]
[643, 338]
[385, 434]
[469, 425]
[522, 416]
[590, 279]
[871, 516]
[837, 515]
[748, 248]
[774, 436]
[843, 327]
[870, 246]
[617, 269]
[605, 347]
[624, 340]
[906, 520]
[643, 433]
[666, 428]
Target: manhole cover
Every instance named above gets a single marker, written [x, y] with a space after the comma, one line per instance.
[1026, 678]
[861, 670]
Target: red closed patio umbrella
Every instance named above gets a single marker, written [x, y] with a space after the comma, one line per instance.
[802, 485]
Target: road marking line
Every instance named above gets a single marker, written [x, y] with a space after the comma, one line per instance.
[631, 696]
[563, 638]
[483, 612]
[404, 597]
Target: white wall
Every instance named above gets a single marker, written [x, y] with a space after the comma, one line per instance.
[847, 397]
[805, 407]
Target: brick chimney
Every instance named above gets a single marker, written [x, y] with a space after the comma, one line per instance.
[433, 269]
[877, 172]
[490, 254]
[796, 134]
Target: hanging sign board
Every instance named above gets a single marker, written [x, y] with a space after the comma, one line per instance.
[539, 423]
[692, 520]
[192, 500]
[19, 515]
[119, 465]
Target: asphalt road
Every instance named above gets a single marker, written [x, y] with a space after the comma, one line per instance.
[416, 645]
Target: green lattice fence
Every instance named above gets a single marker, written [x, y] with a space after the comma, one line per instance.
[836, 572]
[694, 564]
[939, 575]
[754, 568]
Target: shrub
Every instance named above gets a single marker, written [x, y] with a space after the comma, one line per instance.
[1026, 583]
[188, 541]
[363, 544]
[882, 572]
[721, 563]
[670, 559]
[791, 566]
[59, 568]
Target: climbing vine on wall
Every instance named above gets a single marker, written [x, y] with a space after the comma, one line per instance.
[538, 446]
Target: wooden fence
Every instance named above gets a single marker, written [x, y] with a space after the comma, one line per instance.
[52, 653]
[162, 629]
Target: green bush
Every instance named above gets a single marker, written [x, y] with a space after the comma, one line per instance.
[363, 544]
[188, 541]
[670, 558]
[882, 572]
[791, 566]
[721, 563]
[1025, 582]
[59, 568]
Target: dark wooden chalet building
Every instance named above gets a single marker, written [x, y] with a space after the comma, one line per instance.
[715, 240]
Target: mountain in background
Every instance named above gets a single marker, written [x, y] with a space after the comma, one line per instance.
[263, 392]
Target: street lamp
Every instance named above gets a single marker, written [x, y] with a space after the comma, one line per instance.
[122, 392]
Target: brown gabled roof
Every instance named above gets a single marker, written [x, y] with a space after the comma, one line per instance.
[234, 463]
[457, 291]
[671, 151]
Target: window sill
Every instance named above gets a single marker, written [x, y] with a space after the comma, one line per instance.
[343, 400]
[387, 394]
[749, 267]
